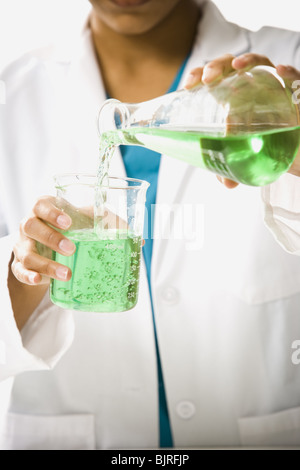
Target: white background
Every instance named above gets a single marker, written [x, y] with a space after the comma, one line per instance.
[27, 24]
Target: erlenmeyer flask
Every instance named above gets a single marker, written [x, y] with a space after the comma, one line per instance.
[245, 127]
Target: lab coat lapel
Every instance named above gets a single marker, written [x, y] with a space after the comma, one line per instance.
[215, 37]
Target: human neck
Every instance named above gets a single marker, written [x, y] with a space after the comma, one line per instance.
[157, 53]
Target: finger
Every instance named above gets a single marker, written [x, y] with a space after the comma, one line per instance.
[287, 71]
[217, 69]
[249, 60]
[37, 230]
[227, 182]
[33, 268]
[289, 74]
[27, 276]
[194, 78]
[22, 274]
[46, 210]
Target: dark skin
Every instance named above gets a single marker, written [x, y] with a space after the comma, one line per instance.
[139, 52]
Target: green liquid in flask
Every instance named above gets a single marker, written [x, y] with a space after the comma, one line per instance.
[252, 159]
[105, 272]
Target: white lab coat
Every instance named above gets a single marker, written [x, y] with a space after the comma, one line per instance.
[227, 303]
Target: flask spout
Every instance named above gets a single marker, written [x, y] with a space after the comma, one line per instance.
[113, 115]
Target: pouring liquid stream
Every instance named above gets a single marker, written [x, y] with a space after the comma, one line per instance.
[105, 154]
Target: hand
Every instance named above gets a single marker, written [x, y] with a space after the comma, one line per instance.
[34, 266]
[31, 267]
[221, 67]
[32, 263]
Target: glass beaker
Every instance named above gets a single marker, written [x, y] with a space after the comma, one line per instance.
[245, 128]
[105, 266]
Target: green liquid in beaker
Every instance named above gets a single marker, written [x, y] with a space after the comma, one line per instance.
[252, 159]
[105, 272]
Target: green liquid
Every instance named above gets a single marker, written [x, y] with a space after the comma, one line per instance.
[256, 159]
[105, 272]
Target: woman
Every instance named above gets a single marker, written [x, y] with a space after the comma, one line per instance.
[225, 313]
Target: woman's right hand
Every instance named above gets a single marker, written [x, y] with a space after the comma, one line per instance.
[32, 263]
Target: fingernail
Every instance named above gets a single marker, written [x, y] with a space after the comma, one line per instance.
[62, 273]
[191, 81]
[210, 75]
[244, 58]
[206, 75]
[32, 278]
[66, 246]
[63, 221]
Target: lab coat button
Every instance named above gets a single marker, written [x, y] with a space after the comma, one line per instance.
[185, 409]
[170, 295]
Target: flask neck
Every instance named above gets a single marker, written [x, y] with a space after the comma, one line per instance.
[114, 115]
[182, 109]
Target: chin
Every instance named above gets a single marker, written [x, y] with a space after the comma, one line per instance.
[129, 25]
[135, 16]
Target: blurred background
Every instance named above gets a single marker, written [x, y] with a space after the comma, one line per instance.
[27, 24]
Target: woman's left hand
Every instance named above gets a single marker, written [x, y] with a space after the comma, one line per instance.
[218, 69]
